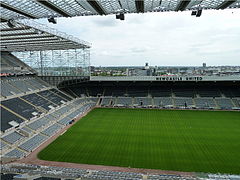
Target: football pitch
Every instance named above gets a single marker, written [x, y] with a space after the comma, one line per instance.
[178, 140]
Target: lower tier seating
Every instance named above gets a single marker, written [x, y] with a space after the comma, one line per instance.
[33, 143]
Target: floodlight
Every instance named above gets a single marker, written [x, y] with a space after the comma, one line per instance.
[120, 16]
[52, 20]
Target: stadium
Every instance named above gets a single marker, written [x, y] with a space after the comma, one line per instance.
[59, 122]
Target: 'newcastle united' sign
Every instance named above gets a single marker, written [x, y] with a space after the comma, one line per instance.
[197, 78]
[165, 78]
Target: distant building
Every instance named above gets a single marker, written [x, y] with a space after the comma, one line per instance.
[147, 66]
[204, 65]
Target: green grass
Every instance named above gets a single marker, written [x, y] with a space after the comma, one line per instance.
[179, 140]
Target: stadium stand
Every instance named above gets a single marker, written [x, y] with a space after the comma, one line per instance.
[52, 129]
[236, 102]
[61, 94]
[39, 101]
[33, 143]
[12, 137]
[16, 153]
[12, 65]
[157, 91]
[224, 103]
[38, 123]
[8, 119]
[205, 103]
[52, 97]
[7, 176]
[3, 145]
[183, 102]
[163, 102]
[21, 107]
[106, 101]
[136, 91]
[142, 101]
[124, 101]
[32, 110]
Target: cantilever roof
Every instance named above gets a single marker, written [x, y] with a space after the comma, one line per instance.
[27, 35]
[69, 8]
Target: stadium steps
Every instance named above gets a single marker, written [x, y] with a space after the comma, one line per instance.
[234, 105]
[47, 99]
[18, 148]
[194, 103]
[116, 101]
[29, 84]
[15, 87]
[65, 94]
[197, 95]
[26, 93]
[73, 93]
[45, 134]
[18, 115]
[173, 102]
[59, 95]
[216, 104]
[87, 92]
[6, 142]
[104, 89]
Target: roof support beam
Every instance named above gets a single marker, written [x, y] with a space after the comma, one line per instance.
[28, 37]
[139, 6]
[6, 6]
[30, 41]
[18, 34]
[3, 19]
[182, 5]
[14, 29]
[225, 4]
[53, 7]
[97, 7]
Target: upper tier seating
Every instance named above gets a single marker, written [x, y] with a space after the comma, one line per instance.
[11, 64]
[184, 92]
[141, 91]
[119, 91]
[208, 92]
[7, 117]
[7, 89]
[21, 107]
[19, 85]
[94, 91]
[156, 91]
[61, 94]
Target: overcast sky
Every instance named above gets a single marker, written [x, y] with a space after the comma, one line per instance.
[161, 39]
